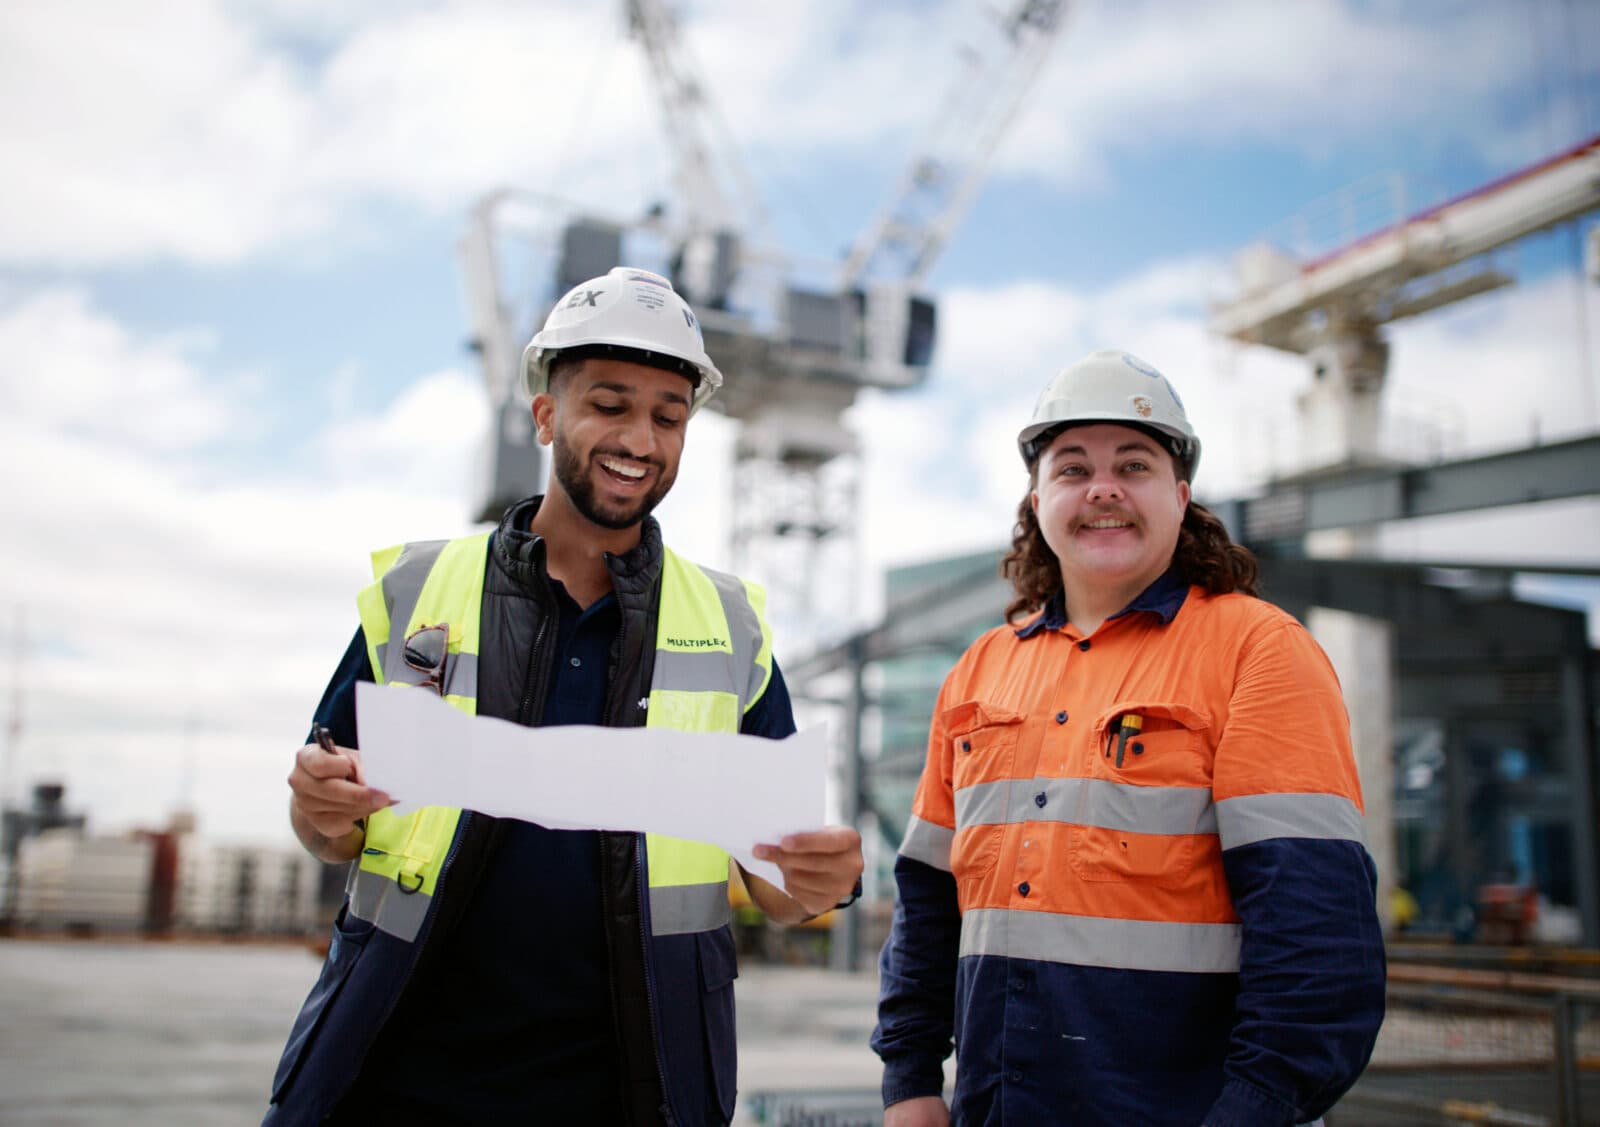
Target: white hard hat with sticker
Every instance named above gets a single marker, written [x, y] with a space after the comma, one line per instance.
[632, 311]
[1113, 387]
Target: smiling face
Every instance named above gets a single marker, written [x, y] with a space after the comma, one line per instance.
[617, 431]
[1109, 504]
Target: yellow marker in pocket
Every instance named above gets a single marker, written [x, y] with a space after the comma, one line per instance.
[1130, 724]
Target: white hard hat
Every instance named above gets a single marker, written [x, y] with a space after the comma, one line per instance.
[633, 312]
[1113, 387]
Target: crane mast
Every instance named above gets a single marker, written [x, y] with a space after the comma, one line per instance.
[941, 181]
[717, 209]
[795, 354]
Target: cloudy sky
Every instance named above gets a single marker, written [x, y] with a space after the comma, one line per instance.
[232, 319]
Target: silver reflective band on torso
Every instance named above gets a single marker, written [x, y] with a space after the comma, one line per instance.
[1088, 802]
[1100, 942]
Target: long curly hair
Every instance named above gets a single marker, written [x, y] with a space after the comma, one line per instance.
[1205, 556]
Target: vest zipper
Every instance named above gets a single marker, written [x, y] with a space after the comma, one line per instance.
[649, 979]
[642, 891]
[536, 675]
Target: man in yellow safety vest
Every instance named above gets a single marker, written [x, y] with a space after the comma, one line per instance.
[495, 971]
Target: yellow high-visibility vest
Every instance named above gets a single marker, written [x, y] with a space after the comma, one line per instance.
[712, 663]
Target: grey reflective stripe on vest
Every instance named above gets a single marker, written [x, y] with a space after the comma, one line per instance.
[691, 672]
[1088, 802]
[1092, 941]
[678, 909]
[380, 901]
[744, 633]
[402, 587]
[1260, 817]
[927, 843]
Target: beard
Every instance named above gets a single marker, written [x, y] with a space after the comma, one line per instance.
[578, 485]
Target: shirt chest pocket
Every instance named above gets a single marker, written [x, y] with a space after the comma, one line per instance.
[1147, 797]
[983, 753]
[983, 742]
[1152, 745]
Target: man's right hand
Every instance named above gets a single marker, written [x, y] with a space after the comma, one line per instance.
[923, 1111]
[329, 798]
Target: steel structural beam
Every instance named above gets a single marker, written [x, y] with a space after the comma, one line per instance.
[1292, 508]
[943, 616]
[1542, 473]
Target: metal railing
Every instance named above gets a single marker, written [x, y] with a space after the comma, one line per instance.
[1521, 1052]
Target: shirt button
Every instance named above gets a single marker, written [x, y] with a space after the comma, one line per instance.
[1024, 888]
[1039, 800]
[1084, 645]
[1015, 1077]
[966, 745]
[1061, 718]
[574, 662]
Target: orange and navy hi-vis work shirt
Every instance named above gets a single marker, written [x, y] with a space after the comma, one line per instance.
[1134, 885]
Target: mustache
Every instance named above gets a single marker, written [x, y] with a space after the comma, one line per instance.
[1112, 513]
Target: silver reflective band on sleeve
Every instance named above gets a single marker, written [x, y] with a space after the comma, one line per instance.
[677, 909]
[928, 843]
[402, 587]
[1088, 802]
[380, 901]
[1261, 817]
[744, 632]
[1092, 941]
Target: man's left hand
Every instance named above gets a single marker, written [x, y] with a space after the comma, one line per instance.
[820, 868]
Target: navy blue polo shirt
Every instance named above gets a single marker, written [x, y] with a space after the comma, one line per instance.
[513, 1018]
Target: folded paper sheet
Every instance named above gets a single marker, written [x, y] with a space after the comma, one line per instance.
[733, 791]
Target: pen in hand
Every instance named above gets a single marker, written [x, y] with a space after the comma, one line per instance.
[324, 738]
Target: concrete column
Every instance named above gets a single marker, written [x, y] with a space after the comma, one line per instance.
[1577, 737]
[844, 951]
[1362, 652]
[1340, 413]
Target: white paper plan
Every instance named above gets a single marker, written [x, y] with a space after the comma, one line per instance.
[731, 790]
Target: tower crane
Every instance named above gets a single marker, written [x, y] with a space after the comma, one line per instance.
[1332, 309]
[796, 356]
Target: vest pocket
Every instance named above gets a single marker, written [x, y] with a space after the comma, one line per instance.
[719, 966]
[349, 939]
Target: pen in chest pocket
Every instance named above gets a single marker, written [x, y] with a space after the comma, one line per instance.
[1122, 729]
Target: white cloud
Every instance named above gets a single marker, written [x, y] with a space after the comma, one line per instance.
[426, 441]
[1502, 371]
[171, 612]
[1150, 76]
[86, 375]
[214, 130]
[133, 132]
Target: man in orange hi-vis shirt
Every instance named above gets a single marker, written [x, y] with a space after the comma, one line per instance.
[1134, 888]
